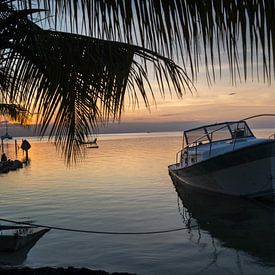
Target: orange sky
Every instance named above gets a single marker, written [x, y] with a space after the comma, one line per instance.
[221, 101]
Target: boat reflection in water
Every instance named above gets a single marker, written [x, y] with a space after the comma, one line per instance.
[241, 224]
[17, 241]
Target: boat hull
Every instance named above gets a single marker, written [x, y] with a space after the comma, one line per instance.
[248, 172]
[11, 243]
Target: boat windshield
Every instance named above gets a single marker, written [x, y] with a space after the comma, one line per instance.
[217, 132]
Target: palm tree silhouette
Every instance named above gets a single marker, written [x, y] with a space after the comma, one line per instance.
[75, 62]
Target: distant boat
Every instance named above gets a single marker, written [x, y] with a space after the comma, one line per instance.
[227, 158]
[14, 238]
[91, 144]
[6, 136]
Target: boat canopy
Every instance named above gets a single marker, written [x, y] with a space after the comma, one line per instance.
[217, 132]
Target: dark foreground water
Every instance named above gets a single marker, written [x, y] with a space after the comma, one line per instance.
[124, 186]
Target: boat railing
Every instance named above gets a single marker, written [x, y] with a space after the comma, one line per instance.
[198, 141]
[179, 157]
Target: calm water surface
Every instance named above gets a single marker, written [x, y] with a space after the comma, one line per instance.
[124, 186]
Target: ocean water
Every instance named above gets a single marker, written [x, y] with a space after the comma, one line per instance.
[124, 186]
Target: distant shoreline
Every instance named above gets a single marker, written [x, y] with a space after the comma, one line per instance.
[113, 136]
[58, 270]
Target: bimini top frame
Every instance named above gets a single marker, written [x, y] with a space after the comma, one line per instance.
[220, 131]
[217, 132]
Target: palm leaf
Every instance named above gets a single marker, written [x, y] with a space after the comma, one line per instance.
[189, 29]
[76, 82]
[14, 112]
[242, 32]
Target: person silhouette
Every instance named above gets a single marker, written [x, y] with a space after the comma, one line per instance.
[26, 147]
[4, 157]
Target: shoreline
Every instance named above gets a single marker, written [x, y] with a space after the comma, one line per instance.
[56, 270]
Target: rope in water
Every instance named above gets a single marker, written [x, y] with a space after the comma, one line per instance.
[98, 232]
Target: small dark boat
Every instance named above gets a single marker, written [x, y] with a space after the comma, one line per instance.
[6, 136]
[13, 238]
[93, 146]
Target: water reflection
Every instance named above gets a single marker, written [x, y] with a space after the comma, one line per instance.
[122, 186]
[243, 225]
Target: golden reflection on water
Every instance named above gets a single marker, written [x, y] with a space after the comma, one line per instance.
[121, 169]
[118, 162]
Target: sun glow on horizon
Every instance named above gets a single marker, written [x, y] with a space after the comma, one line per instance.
[221, 101]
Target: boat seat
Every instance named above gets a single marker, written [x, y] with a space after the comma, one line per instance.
[239, 133]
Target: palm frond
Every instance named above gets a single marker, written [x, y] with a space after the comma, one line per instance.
[15, 112]
[48, 71]
[242, 31]
[76, 82]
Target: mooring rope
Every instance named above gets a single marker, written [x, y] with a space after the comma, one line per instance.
[98, 232]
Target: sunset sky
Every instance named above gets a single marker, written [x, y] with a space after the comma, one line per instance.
[220, 101]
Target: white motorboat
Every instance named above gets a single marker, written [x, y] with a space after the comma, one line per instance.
[227, 158]
[90, 144]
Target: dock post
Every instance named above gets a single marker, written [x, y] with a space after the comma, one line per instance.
[16, 148]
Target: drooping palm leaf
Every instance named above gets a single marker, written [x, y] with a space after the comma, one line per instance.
[75, 82]
[48, 80]
[186, 28]
[14, 112]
